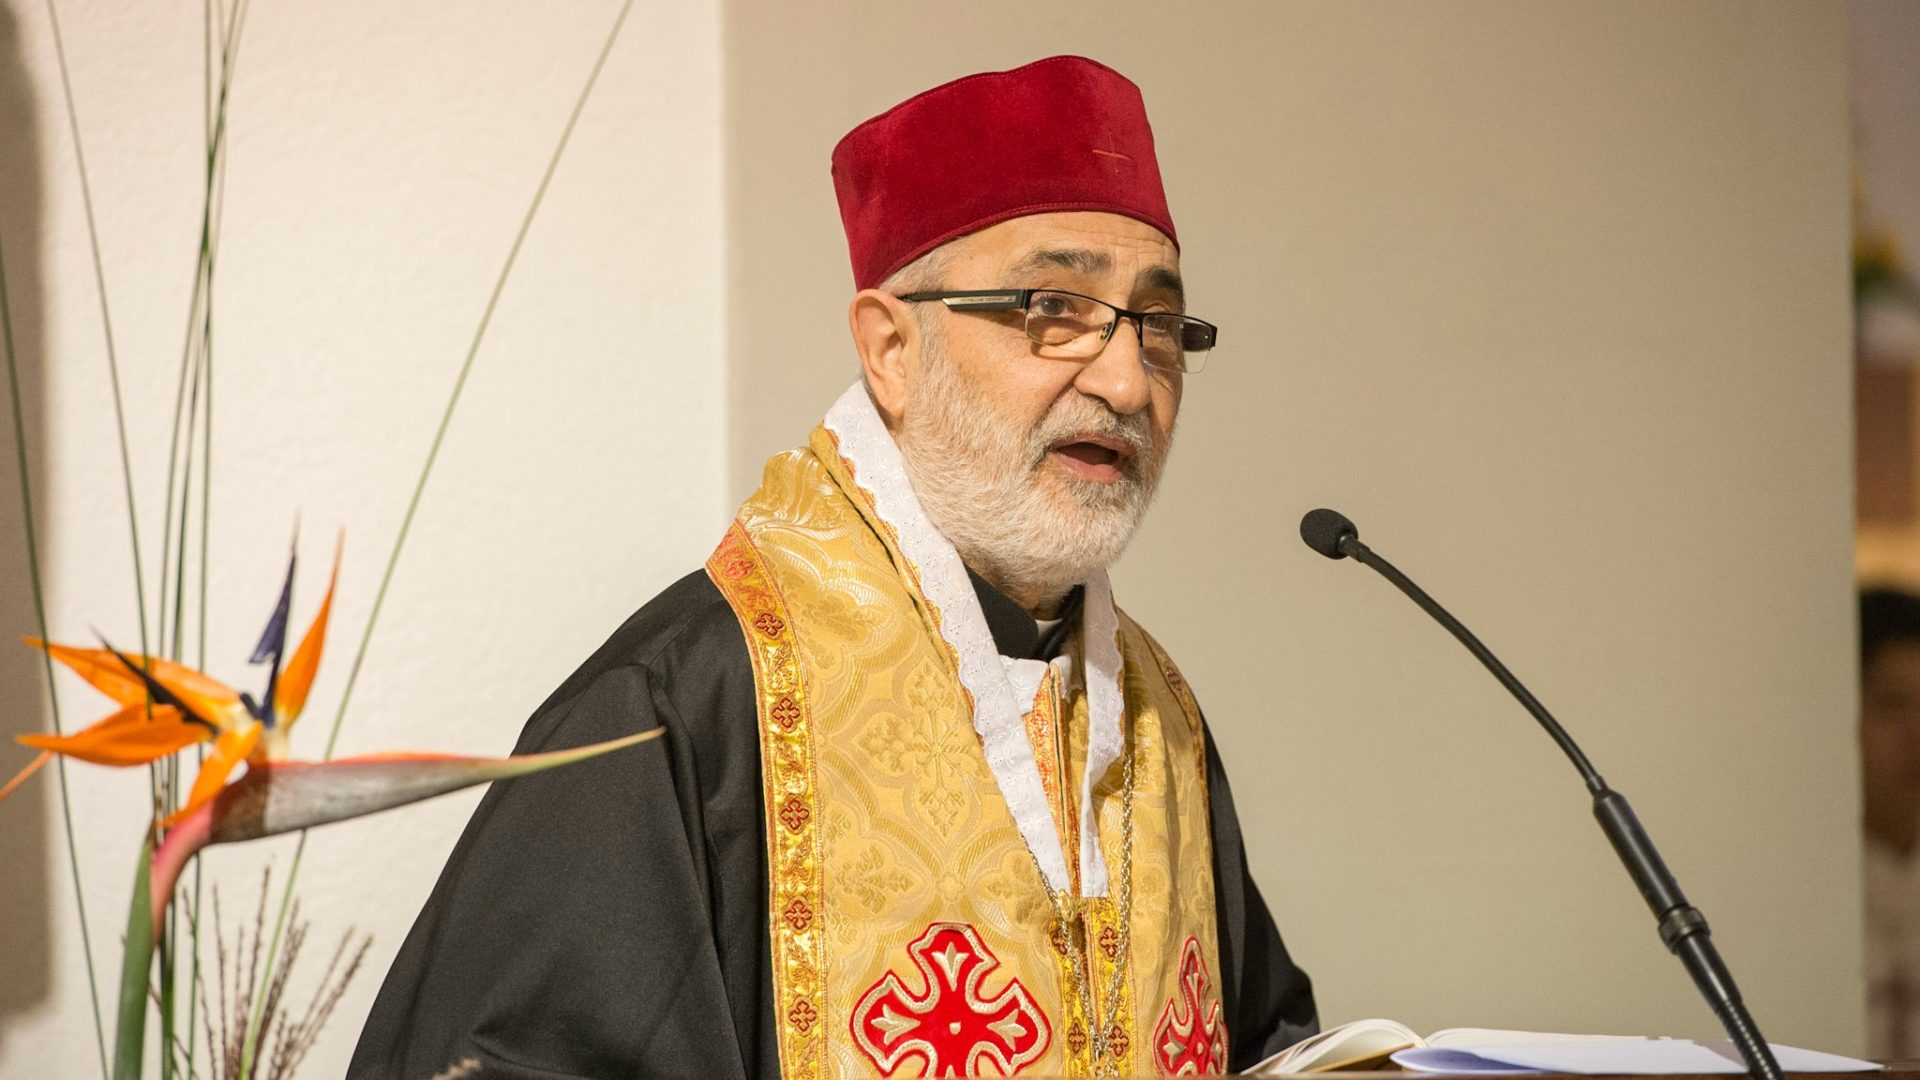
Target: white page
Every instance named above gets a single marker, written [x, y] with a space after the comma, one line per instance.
[1350, 1040]
[1660, 1056]
[1447, 1059]
[1468, 1038]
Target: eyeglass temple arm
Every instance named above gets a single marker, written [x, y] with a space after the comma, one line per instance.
[977, 299]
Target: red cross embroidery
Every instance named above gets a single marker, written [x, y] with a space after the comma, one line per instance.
[798, 914]
[794, 813]
[948, 1024]
[786, 713]
[1185, 1044]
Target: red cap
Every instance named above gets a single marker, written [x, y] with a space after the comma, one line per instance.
[1064, 133]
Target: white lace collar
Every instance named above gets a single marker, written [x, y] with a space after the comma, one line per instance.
[995, 682]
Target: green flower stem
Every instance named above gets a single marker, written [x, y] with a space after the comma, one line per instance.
[250, 1044]
[40, 622]
[106, 321]
[211, 206]
[180, 560]
[199, 318]
[130, 1044]
[166, 1002]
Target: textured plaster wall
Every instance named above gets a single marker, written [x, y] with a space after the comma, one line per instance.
[382, 156]
[1552, 298]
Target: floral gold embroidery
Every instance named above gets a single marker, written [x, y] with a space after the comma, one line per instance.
[872, 880]
[787, 765]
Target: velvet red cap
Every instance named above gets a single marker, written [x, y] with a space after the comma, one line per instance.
[1064, 133]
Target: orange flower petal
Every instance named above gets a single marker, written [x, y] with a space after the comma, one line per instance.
[21, 776]
[100, 668]
[212, 699]
[290, 692]
[229, 750]
[128, 737]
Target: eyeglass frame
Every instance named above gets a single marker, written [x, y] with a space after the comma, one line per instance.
[1017, 300]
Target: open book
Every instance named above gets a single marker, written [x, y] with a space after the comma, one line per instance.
[1368, 1044]
[1383, 1044]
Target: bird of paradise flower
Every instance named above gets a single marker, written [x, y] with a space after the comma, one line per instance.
[166, 707]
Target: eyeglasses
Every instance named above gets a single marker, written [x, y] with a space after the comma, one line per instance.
[1069, 326]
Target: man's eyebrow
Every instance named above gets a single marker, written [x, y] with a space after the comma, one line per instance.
[1078, 260]
[1085, 261]
[1165, 279]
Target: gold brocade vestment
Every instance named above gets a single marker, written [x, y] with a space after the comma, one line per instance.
[911, 927]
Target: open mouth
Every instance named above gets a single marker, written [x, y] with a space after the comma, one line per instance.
[1099, 458]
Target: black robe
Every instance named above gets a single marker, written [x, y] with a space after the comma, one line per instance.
[609, 918]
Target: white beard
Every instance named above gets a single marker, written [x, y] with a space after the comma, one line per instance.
[1018, 520]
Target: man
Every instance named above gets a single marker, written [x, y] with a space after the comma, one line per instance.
[927, 802]
[1890, 786]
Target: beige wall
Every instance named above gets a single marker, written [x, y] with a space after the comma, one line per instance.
[382, 156]
[1551, 298]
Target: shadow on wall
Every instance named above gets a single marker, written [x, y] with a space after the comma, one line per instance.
[28, 821]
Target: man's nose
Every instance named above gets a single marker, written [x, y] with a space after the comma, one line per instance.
[1117, 376]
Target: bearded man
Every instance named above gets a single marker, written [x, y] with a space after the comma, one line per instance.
[927, 801]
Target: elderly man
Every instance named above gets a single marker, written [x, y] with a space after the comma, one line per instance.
[927, 802]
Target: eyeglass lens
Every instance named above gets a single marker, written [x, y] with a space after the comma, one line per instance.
[1076, 326]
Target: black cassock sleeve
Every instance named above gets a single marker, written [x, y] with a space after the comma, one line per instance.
[609, 918]
[1266, 998]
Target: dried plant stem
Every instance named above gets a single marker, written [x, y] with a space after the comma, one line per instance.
[426, 472]
[220, 971]
[290, 1034]
[40, 624]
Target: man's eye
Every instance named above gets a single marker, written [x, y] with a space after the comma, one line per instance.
[1052, 307]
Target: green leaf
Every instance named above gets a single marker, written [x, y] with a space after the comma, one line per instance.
[130, 1038]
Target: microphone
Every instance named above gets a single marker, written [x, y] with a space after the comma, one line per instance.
[1682, 927]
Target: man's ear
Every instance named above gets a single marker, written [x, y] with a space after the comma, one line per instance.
[888, 340]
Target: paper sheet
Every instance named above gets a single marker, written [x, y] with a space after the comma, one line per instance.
[1652, 1057]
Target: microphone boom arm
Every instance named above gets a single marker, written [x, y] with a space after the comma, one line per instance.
[1682, 927]
[1351, 545]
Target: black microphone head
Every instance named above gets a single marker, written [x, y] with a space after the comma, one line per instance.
[1323, 529]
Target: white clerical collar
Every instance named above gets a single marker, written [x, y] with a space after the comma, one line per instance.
[1002, 689]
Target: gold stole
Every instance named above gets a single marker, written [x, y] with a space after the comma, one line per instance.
[911, 929]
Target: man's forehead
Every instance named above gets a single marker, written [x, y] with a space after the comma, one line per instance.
[1090, 263]
[1091, 229]
[1092, 245]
